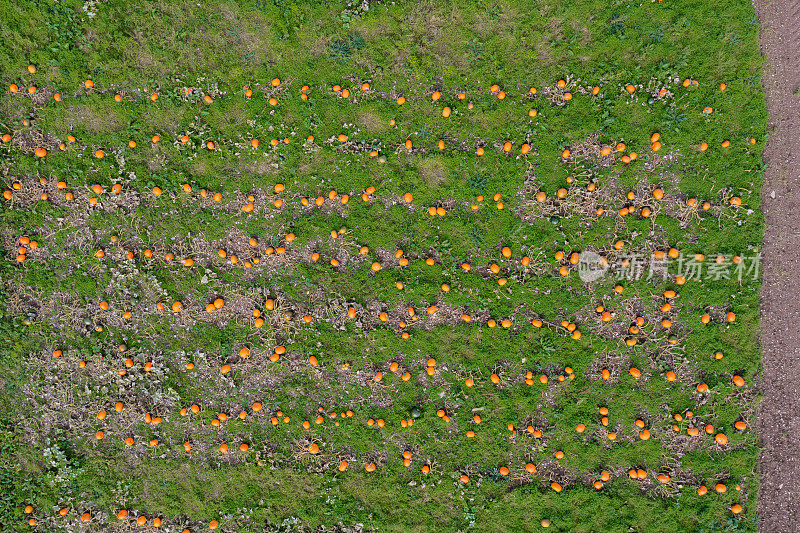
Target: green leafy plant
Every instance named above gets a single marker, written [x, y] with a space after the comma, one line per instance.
[342, 49]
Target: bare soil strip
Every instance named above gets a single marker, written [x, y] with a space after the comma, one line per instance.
[779, 412]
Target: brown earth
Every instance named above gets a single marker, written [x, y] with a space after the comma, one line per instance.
[779, 413]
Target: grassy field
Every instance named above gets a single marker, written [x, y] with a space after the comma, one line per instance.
[279, 266]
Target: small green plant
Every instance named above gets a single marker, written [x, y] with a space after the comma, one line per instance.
[476, 48]
[616, 25]
[674, 119]
[342, 49]
[477, 181]
[476, 234]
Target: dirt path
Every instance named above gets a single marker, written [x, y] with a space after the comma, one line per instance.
[779, 413]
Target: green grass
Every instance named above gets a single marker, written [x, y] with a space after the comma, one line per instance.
[49, 456]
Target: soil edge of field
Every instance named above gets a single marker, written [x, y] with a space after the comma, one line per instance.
[779, 412]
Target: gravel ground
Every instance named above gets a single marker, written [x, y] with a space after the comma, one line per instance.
[779, 413]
